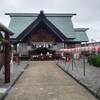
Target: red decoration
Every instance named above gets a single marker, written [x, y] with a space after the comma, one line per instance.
[99, 49]
[17, 59]
[79, 58]
[67, 59]
[79, 49]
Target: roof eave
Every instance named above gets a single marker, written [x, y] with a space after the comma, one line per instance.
[37, 14]
[81, 29]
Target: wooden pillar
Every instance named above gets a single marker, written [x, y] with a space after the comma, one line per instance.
[64, 44]
[15, 47]
[64, 48]
[7, 59]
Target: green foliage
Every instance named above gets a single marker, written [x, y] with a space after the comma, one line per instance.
[95, 60]
[98, 62]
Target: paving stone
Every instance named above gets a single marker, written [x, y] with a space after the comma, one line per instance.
[44, 80]
[3, 90]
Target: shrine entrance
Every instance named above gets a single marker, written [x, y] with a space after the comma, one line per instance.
[42, 54]
[42, 51]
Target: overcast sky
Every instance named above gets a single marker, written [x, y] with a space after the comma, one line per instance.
[88, 12]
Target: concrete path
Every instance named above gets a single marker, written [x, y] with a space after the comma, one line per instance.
[43, 80]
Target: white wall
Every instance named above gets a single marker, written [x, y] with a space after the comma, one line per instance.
[23, 47]
[59, 46]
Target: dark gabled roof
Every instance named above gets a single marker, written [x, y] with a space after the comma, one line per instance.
[81, 35]
[59, 23]
[41, 18]
[62, 21]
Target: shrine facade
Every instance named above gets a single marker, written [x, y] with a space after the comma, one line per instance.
[44, 33]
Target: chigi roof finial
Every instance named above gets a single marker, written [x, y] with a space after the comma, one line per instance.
[41, 15]
[41, 12]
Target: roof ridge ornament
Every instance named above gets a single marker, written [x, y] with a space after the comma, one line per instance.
[41, 15]
[41, 12]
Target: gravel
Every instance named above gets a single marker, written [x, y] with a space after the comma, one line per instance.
[17, 70]
[92, 74]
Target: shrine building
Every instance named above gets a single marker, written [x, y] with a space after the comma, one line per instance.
[44, 33]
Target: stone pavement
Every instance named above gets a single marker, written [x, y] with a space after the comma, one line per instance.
[91, 80]
[44, 80]
[17, 71]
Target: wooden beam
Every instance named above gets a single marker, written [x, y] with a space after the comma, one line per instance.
[5, 29]
[5, 41]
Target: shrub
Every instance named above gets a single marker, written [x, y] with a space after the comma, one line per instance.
[98, 62]
[95, 60]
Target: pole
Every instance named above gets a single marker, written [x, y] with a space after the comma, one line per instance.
[7, 59]
[72, 63]
[84, 64]
[12, 61]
